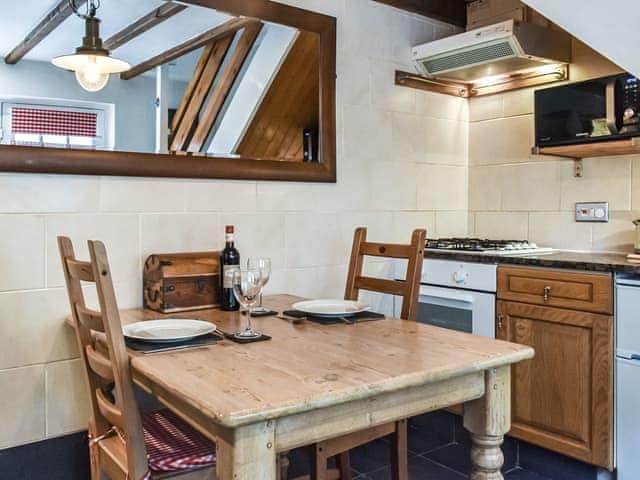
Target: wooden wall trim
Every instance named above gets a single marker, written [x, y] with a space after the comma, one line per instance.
[95, 162]
[88, 162]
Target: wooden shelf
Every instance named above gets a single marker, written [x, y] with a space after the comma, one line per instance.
[630, 146]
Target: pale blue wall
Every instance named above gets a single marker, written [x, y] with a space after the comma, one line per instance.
[133, 99]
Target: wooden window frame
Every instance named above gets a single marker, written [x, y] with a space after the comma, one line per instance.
[99, 162]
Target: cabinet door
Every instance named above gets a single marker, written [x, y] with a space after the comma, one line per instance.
[562, 399]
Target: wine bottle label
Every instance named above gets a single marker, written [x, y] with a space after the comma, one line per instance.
[227, 275]
[228, 237]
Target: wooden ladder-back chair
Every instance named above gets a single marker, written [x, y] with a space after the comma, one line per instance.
[408, 289]
[124, 444]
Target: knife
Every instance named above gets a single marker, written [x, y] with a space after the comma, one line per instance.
[180, 347]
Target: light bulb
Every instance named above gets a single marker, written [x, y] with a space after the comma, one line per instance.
[91, 71]
[89, 75]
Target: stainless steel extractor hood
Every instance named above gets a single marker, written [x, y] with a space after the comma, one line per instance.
[504, 48]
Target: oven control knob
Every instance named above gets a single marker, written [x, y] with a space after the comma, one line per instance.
[460, 277]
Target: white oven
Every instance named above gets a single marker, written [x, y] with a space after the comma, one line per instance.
[457, 295]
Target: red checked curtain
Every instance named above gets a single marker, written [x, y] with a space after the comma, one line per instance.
[53, 122]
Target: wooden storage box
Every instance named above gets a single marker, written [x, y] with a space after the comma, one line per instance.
[179, 282]
[481, 13]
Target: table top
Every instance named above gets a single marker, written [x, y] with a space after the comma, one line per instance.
[308, 366]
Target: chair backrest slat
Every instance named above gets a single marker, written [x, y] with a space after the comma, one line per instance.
[381, 285]
[103, 352]
[387, 250]
[408, 288]
[80, 270]
[100, 364]
[109, 410]
[90, 318]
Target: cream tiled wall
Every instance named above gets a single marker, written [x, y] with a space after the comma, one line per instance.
[513, 194]
[402, 164]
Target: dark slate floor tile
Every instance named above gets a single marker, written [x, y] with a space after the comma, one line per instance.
[520, 474]
[422, 440]
[61, 458]
[457, 456]
[554, 465]
[370, 457]
[419, 469]
[439, 421]
[298, 463]
[454, 456]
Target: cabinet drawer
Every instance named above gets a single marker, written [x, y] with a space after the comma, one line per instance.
[589, 292]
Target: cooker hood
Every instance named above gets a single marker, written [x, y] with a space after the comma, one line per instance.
[501, 49]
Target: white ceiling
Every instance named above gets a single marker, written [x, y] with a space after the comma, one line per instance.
[16, 23]
[610, 28]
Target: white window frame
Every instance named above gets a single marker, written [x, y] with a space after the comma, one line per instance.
[104, 139]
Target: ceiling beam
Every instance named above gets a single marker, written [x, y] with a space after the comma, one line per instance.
[224, 86]
[150, 20]
[227, 28]
[197, 92]
[450, 11]
[48, 24]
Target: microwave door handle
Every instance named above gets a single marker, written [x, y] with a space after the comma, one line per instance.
[610, 96]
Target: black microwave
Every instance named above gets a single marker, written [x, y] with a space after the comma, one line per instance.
[591, 111]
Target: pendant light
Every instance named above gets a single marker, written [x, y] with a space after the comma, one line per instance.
[91, 62]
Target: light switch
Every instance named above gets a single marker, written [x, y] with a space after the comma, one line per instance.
[592, 212]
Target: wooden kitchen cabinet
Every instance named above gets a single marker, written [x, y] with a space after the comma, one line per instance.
[562, 399]
[588, 292]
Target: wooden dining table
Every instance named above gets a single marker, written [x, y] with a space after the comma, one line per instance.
[313, 382]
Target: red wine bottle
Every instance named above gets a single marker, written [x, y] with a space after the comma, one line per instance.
[229, 263]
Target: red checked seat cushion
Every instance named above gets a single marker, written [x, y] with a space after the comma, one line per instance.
[173, 446]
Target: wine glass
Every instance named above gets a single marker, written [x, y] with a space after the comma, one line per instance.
[264, 265]
[247, 285]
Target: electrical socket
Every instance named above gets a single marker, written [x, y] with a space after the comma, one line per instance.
[592, 212]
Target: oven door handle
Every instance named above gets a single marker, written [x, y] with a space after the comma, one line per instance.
[445, 297]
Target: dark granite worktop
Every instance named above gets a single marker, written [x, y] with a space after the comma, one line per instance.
[594, 262]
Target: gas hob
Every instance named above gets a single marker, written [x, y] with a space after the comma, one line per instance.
[486, 246]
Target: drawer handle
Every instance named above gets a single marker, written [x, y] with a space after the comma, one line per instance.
[500, 322]
[545, 293]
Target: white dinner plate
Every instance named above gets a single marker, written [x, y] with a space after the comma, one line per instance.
[167, 330]
[331, 308]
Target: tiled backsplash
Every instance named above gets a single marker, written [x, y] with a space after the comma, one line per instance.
[306, 229]
[516, 195]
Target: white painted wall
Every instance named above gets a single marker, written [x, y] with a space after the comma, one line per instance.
[611, 28]
[402, 164]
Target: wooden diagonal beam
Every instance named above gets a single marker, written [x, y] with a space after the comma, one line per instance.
[191, 87]
[227, 28]
[224, 85]
[196, 94]
[150, 20]
[50, 22]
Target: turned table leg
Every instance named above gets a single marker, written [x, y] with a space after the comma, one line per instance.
[488, 419]
[247, 453]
